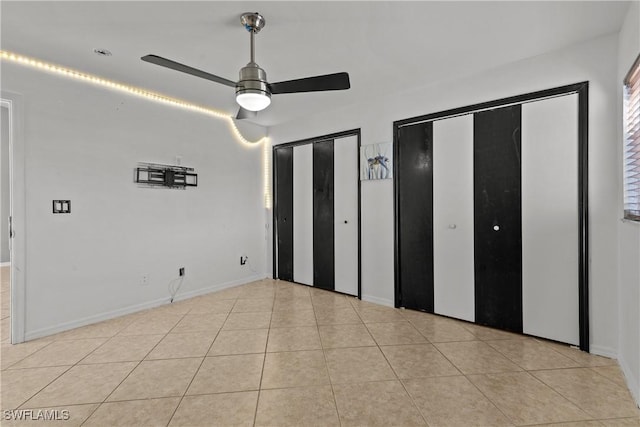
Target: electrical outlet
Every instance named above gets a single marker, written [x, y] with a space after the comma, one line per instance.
[181, 271]
[144, 279]
[243, 259]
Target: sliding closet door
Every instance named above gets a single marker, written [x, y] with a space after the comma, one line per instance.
[497, 222]
[505, 183]
[317, 212]
[303, 214]
[346, 214]
[283, 160]
[550, 218]
[414, 215]
[453, 217]
[323, 215]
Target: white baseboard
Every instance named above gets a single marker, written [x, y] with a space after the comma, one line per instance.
[376, 300]
[632, 383]
[5, 264]
[603, 351]
[215, 288]
[50, 330]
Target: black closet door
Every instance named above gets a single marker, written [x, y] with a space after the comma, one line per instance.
[283, 164]
[414, 216]
[497, 221]
[323, 216]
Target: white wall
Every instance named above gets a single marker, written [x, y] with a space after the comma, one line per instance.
[628, 233]
[82, 143]
[595, 61]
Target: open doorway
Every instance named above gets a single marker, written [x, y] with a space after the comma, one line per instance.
[12, 231]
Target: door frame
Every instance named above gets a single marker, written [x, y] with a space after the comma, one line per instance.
[17, 201]
[582, 90]
[332, 136]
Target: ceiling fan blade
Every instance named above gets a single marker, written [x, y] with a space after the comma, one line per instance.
[163, 62]
[337, 81]
[246, 114]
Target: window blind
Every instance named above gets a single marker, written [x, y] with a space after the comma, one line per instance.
[631, 165]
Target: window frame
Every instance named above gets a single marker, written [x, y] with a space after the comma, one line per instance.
[631, 142]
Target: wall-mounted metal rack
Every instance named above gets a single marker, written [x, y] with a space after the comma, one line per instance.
[170, 176]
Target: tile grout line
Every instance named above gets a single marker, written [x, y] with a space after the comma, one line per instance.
[61, 374]
[47, 385]
[326, 364]
[593, 369]
[201, 362]
[461, 374]
[488, 342]
[28, 355]
[135, 367]
[471, 382]
[563, 396]
[264, 358]
[413, 402]
[495, 405]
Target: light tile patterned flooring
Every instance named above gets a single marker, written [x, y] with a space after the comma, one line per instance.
[273, 353]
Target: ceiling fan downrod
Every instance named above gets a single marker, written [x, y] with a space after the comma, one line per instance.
[252, 89]
[253, 22]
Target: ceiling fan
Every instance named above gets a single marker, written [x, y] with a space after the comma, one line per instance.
[253, 92]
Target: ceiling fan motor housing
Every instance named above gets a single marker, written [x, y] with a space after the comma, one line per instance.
[253, 80]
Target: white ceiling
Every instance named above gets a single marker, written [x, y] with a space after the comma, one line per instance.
[387, 47]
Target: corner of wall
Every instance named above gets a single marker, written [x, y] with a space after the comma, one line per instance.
[632, 381]
[628, 272]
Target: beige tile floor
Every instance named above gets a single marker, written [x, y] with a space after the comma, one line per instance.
[273, 353]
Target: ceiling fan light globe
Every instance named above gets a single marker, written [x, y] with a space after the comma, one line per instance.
[253, 100]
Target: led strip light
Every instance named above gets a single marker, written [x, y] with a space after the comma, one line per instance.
[67, 72]
[266, 169]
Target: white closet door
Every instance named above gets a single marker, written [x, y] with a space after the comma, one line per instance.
[346, 214]
[453, 235]
[303, 214]
[550, 219]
